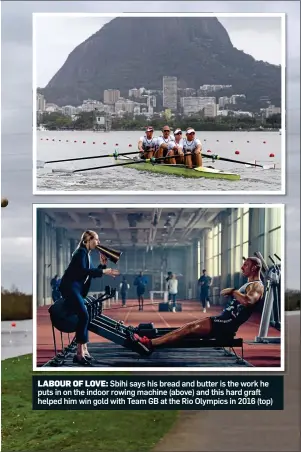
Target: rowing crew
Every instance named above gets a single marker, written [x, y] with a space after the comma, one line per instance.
[180, 150]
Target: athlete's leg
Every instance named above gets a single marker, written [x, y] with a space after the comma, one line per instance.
[200, 328]
[197, 159]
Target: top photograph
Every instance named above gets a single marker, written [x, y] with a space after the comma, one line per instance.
[167, 103]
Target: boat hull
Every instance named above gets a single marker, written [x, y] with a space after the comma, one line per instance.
[182, 171]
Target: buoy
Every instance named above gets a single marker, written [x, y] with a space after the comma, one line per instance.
[116, 144]
[217, 140]
[93, 142]
[237, 152]
[272, 155]
[13, 324]
[46, 139]
[208, 150]
[53, 139]
[75, 141]
[4, 202]
[204, 139]
[84, 142]
[41, 139]
[130, 145]
[231, 141]
[264, 142]
[104, 143]
[60, 140]
[248, 141]
[67, 141]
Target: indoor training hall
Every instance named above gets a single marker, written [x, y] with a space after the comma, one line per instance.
[157, 244]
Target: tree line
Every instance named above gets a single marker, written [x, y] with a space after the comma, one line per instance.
[85, 121]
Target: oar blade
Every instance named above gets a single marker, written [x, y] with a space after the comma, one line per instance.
[40, 164]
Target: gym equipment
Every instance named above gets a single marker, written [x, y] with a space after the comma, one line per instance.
[116, 332]
[271, 313]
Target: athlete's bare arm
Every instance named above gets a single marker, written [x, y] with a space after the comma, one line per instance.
[140, 146]
[198, 149]
[253, 294]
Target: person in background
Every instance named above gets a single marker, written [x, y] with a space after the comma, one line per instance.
[124, 287]
[169, 275]
[140, 282]
[55, 292]
[204, 282]
[173, 290]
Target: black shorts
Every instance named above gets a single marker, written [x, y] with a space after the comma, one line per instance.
[222, 327]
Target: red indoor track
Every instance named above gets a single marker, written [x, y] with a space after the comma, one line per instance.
[259, 355]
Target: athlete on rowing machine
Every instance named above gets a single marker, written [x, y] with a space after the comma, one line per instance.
[237, 311]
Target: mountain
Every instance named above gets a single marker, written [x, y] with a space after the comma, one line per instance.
[138, 51]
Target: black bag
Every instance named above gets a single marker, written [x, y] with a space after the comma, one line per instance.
[62, 319]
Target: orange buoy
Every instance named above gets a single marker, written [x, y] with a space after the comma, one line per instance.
[13, 324]
[272, 155]
[237, 152]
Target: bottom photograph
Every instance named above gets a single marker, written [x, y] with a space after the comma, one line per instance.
[149, 287]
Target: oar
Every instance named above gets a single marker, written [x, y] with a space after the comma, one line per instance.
[217, 157]
[151, 160]
[115, 154]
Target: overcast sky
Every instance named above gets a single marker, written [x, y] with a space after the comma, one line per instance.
[259, 37]
[16, 178]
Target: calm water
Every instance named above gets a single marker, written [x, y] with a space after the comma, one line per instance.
[251, 145]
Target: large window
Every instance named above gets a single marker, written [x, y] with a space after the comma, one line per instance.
[214, 250]
[273, 231]
[199, 257]
[239, 224]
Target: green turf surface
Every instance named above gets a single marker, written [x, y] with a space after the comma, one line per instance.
[26, 430]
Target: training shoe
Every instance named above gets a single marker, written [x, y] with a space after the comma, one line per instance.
[208, 304]
[142, 345]
[204, 310]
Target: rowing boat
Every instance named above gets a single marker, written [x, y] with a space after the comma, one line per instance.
[181, 170]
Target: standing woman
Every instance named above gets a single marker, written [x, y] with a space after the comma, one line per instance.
[75, 285]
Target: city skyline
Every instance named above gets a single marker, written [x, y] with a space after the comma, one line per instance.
[246, 34]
